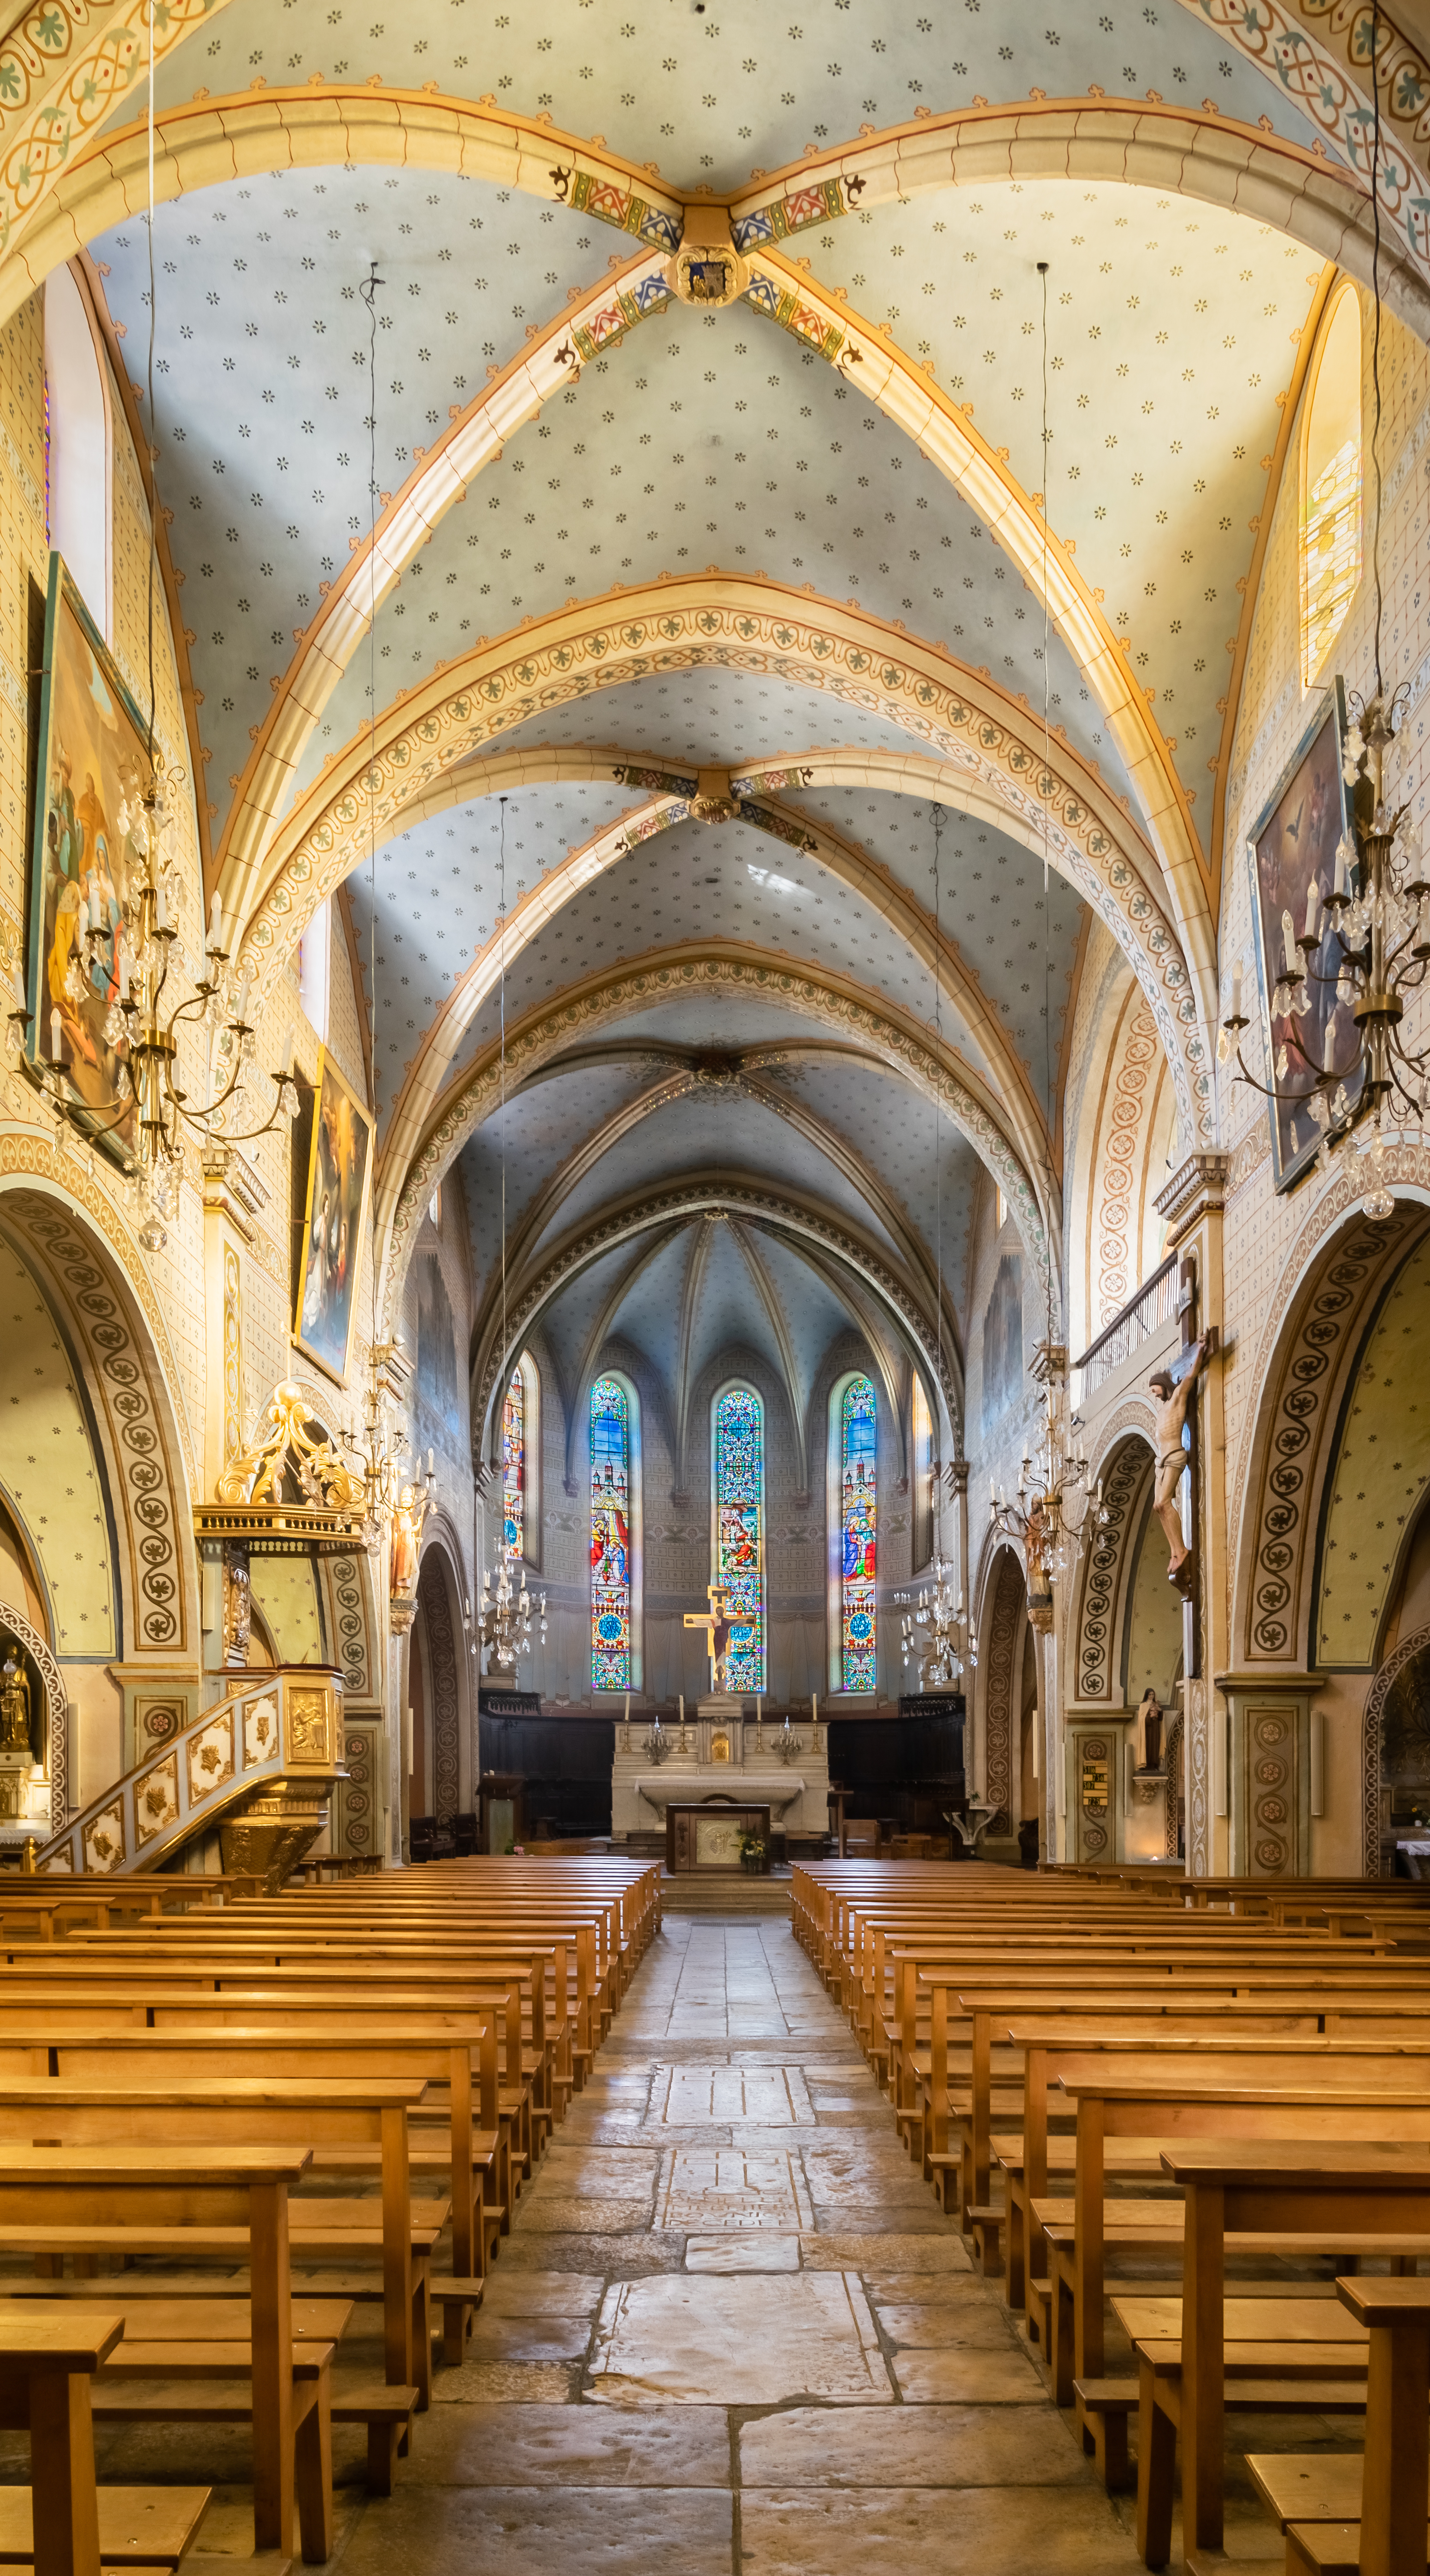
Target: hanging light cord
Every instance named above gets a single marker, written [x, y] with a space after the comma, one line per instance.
[1046, 785]
[501, 1081]
[1375, 344]
[368, 292]
[938, 1077]
[153, 433]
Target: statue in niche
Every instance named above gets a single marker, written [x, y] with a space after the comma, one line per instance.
[1173, 1397]
[16, 1714]
[1147, 1733]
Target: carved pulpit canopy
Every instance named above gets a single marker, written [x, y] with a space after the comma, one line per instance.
[291, 1489]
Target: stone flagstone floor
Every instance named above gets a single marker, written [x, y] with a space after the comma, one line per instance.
[731, 2334]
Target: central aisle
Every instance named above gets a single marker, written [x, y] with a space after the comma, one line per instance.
[731, 2334]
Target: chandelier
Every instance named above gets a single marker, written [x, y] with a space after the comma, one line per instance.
[504, 1617]
[146, 1102]
[1369, 940]
[387, 1493]
[1054, 1501]
[948, 1642]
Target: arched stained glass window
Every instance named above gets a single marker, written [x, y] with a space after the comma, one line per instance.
[740, 1533]
[513, 1465]
[858, 1500]
[610, 1536]
[1331, 487]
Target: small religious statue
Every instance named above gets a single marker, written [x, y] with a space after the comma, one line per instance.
[1038, 1544]
[1147, 1733]
[716, 1623]
[1173, 1398]
[15, 1707]
[402, 1580]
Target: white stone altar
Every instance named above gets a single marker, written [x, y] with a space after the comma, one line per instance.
[725, 1753]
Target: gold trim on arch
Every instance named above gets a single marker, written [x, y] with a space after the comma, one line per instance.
[1006, 1089]
[899, 1041]
[747, 623]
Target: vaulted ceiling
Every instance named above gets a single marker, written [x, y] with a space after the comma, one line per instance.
[727, 721]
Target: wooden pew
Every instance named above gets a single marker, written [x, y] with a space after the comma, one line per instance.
[307, 2111]
[1155, 2112]
[62, 2523]
[202, 2203]
[1321, 2196]
[1366, 2516]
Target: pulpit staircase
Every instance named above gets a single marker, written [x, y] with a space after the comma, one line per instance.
[258, 1768]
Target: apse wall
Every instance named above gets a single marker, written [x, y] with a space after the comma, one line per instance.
[676, 1534]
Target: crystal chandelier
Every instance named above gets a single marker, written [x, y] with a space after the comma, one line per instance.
[504, 1617]
[1368, 940]
[948, 1641]
[1054, 1501]
[147, 1110]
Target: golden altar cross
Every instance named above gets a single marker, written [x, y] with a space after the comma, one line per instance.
[716, 1623]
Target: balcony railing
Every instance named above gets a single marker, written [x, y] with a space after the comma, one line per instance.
[1135, 1323]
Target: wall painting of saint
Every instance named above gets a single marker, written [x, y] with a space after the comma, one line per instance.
[91, 769]
[339, 1166]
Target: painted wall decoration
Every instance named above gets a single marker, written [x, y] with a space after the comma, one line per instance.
[858, 1425]
[338, 1174]
[1293, 848]
[438, 1375]
[513, 1465]
[1003, 1341]
[740, 1534]
[92, 760]
[610, 1536]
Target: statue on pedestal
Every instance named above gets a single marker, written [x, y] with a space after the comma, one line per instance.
[15, 1716]
[1147, 1733]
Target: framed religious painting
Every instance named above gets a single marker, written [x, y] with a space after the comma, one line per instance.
[91, 767]
[333, 1220]
[1292, 848]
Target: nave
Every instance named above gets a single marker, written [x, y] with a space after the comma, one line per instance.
[960, 2219]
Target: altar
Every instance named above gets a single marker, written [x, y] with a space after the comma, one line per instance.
[704, 1838]
[725, 1757]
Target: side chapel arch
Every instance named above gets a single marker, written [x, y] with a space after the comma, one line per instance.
[66, 1231]
[1330, 1287]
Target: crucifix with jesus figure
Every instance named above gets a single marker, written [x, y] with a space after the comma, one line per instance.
[716, 1623]
[1179, 1454]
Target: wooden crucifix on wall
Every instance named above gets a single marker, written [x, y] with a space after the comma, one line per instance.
[1174, 1389]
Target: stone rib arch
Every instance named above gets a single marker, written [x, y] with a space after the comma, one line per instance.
[1014, 1102]
[66, 1231]
[1329, 1287]
[1002, 1623]
[678, 1203]
[744, 623]
[1098, 1630]
[1371, 1779]
[899, 1043]
[81, 181]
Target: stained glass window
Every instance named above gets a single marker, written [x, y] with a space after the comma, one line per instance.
[858, 1514]
[610, 1536]
[513, 1465]
[740, 1534]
